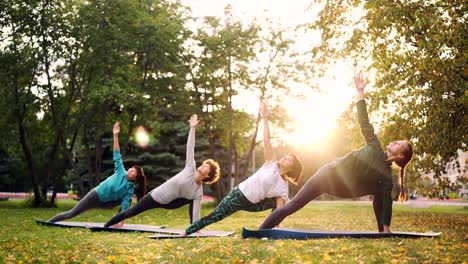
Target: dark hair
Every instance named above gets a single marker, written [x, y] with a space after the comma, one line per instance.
[408, 155]
[215, 171]
[295, 174]
[141, 182]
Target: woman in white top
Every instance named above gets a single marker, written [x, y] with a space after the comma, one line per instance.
[184, 188]
[267, 187]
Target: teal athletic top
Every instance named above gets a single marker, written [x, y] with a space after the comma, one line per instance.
[117, 187]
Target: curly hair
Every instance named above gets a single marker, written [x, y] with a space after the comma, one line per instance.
[215, 171]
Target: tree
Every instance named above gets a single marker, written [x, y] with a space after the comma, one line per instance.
[19, 66]
[217, 64]
[129, 64]
[417, 50]
[70, 69]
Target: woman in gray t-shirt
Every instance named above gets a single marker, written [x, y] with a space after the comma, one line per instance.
[184, 188]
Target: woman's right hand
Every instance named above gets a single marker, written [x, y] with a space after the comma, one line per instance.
[116, 129]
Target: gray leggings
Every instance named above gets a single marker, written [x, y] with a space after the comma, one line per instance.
[89, 201]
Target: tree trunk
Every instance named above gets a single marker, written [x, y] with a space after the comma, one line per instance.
[253, 142]
[51, 166]
[131, 126]
[30, 162]
[98, 146]
[24, 145]
[236, 168]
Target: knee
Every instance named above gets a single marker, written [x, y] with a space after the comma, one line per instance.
[69, 214]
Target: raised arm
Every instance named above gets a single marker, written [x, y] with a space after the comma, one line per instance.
[367, 129]
[191, 140]
[118, 163]
[116, 131]
[267, 148]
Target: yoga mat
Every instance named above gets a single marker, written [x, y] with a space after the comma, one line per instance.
[202, 233]
[302, 234]
[91, 225]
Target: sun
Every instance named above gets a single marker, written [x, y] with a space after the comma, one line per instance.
[315, 117]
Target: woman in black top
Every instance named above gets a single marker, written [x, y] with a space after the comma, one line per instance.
[366, 171]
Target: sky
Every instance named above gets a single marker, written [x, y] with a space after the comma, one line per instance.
[314, 116]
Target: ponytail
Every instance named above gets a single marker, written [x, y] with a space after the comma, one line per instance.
[402, 196]
[141, 182]
[407, 156]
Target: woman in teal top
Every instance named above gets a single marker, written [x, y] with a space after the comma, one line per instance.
[366, 171]
[115, 190]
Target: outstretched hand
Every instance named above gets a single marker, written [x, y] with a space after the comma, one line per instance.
[116, 129]
[264, 110]
[119, 224]
[359, 82]
[194, 121]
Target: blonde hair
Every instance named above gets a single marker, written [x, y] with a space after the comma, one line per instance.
[407, 156]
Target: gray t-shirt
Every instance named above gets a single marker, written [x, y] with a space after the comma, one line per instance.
[183, 184]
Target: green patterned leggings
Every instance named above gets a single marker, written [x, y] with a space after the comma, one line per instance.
[233, 202]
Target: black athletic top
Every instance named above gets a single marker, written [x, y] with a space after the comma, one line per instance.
[367, 171]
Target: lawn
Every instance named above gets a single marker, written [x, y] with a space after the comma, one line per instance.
[22, 241]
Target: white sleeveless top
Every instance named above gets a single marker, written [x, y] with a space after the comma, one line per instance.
[265, 183]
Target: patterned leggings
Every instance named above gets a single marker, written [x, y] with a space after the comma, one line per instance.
[233, 202]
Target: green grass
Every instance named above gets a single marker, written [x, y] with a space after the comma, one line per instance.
[21, 240]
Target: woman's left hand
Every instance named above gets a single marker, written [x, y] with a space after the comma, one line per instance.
[119, 224]
[360, 82]
[193, 121]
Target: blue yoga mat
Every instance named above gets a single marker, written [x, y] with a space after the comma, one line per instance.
[91, 225]
[302, 234]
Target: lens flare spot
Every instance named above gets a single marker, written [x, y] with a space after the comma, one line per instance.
[142, 137]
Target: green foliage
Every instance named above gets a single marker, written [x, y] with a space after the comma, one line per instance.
[417, 50]
[103, 61]
[23, 240]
